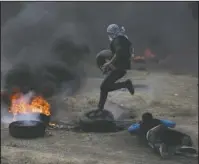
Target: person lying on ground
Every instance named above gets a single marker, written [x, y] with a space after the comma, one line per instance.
[163, 139]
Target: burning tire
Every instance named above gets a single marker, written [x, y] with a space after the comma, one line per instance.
[104, 123]
[27, 129]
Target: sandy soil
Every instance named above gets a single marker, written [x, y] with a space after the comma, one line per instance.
[168, 96]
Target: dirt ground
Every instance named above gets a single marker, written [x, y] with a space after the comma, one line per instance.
[170, 96]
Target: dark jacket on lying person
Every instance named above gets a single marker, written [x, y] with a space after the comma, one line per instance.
[147, 123]
[166, 135]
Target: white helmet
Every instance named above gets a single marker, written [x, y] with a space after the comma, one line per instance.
[114, 30]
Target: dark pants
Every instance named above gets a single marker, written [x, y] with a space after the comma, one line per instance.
[168, 136]
[109, 84]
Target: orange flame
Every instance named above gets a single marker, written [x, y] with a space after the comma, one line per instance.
[35, 104]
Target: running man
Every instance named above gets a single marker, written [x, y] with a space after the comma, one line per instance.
[117, 66]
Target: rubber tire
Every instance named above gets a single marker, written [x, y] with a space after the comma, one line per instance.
[102, 56]
[105, 124]
[17, 129]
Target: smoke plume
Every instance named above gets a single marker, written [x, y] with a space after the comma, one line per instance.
[43, 56]
[43, 44]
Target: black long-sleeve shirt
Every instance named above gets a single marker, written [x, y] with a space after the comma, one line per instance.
[122, 47]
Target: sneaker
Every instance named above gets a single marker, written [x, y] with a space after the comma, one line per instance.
[187, 149]
[130, 87]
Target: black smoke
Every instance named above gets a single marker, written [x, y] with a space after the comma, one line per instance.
[50, 76]
[39, 35]
[172, 24]
[41, 54]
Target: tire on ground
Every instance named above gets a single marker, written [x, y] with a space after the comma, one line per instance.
[102, 56]
[102, 124]
[27, 129]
